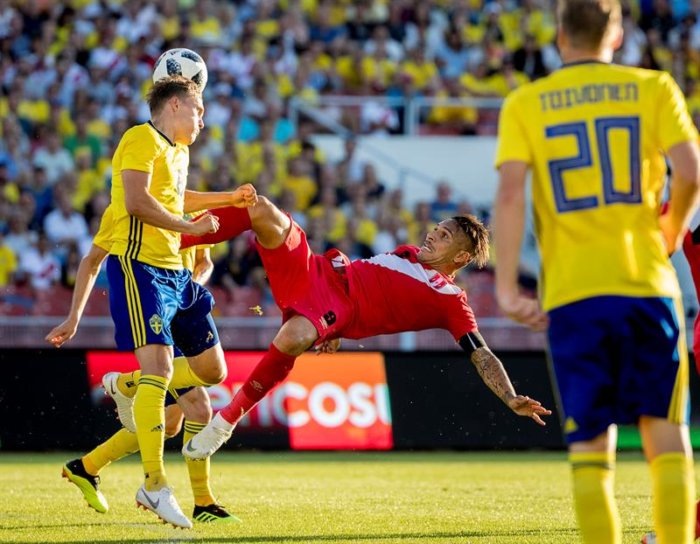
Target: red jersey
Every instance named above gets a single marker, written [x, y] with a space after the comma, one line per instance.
[394, 292]
[692, 254]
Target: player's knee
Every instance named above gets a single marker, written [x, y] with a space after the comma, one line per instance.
[173, 421]
[196, 405]
[295, 341]
[210, 366]
[213, 373]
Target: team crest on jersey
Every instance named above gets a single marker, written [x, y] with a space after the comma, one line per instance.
[437, 281]
[156, 323]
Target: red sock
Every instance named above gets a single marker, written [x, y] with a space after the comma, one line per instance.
[273, 368]
[232, 221]
[697, 520]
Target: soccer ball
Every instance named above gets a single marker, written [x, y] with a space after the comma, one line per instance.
[181, 62]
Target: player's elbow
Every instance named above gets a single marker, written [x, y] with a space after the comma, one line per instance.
[94, 259]
[133, 207]
[685, 162]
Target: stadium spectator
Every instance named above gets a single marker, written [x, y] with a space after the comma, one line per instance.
[53, 158]
[64, 225]
[38, 266]
[443, 206]
[19, 236]
[528, 59]
[453, 57]
[8, 262]
[660, 18]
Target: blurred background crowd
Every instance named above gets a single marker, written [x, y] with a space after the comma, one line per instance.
[73, 76]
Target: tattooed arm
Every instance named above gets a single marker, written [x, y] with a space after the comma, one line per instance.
[495, 377]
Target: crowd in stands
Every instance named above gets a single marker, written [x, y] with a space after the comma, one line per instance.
[73, 76]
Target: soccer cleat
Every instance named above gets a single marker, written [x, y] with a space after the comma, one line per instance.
[209, 439]
[125, 405]
[76, 474]
[649, 538]
[163, 504]
[213, 513]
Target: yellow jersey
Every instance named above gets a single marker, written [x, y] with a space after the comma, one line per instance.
[103, 240]
[594, 136]
[145, 149]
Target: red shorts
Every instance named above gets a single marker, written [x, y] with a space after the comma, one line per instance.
[306, 284]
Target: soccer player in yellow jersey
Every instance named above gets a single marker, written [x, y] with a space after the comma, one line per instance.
[594, 136]
[149, 288]
[193, 402]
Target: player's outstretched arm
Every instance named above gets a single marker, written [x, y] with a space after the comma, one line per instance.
[141, 204]
[88, 270]
[244, 196]
[496, 378]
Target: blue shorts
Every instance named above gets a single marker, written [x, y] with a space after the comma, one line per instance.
[152, 305]
[617, 358]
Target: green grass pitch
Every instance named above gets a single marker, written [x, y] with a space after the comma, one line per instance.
[480, 498]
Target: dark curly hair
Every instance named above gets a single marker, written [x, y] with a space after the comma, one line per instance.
[478, 236]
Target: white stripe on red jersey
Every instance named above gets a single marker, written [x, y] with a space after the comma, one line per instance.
[394, 292]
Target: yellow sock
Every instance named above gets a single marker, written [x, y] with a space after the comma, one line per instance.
[127, 382]
[149, 415]
[673, 483]
[198, 470]
[120, 444]
[594, 499]
[183, 376]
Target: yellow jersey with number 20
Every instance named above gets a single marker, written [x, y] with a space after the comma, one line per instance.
[145, 149]
[594, 136]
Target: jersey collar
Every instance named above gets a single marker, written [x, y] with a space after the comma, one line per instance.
[163, 135]
[583, 61]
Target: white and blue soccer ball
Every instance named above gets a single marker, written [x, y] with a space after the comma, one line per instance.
[181, 62]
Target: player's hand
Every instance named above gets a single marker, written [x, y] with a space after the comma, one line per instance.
[525, 406]
[244, 197]
[62, 333]
[204, 224]
[328, 346]
[524, 310]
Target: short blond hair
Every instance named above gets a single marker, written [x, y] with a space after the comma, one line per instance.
[164, 89]
[586, 22]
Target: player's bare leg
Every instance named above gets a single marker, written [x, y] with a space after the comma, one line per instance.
[593, 473]
[294, 338]
[210, 365]
[269, 223]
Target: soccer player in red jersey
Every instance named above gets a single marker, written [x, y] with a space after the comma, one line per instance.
[324, 298]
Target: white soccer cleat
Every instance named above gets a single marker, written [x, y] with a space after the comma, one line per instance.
[209, 439]
[163, 504]
[125, 405]
[649, 538]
